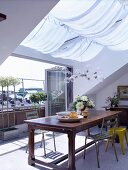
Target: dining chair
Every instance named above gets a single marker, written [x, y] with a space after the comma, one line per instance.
[34, 115]
[121, 132]
[102, 135]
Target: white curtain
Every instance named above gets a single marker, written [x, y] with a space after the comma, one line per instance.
[78, 29]
[48, 36]
[79, 49]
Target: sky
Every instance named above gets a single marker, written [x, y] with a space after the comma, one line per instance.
[24, 68]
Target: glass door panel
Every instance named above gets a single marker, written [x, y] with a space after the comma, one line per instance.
[56, 89]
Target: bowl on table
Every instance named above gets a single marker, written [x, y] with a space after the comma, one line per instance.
[69, 116]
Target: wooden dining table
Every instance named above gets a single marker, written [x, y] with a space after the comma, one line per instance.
[52, 123]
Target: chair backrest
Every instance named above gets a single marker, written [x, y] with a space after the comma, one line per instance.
[32, 115]
[109, 123]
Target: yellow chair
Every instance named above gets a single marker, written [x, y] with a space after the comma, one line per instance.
[122, 133]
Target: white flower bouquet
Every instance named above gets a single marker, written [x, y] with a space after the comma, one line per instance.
[81, 103]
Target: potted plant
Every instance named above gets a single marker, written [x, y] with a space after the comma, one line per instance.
[38, 97]
[14, 82]
[2, 84]
[7, 132]
[34, 98]
[113, 101]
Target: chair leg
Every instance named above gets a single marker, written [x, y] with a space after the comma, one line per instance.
[121, 138]
[107, 144]
[54, 141]
[113, 144]
[27, 148]
[85, 146]
[43, 142]
[126, 137]
[98, 147]
[97, 153]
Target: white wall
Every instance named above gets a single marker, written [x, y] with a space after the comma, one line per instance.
[109, 91]
[108, 61]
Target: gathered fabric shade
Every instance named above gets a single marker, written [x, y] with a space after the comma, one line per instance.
[78, 48]
[45, 38]
[81, 31]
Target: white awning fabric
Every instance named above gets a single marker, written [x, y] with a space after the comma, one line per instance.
[79, 29]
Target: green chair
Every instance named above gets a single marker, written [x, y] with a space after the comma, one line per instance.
[34, 115]
[102, 135]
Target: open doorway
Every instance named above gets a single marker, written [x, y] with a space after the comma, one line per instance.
[59, 93]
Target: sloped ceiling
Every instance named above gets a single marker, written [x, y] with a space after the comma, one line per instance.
[109, 80]
[22, 17]
[32, 54]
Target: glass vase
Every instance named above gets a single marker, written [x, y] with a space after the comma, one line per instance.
[78, 111]
[85, 113]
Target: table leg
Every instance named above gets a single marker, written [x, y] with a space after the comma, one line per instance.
[71, 151]
[31, 156]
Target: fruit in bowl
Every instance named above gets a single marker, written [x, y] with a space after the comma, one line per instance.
[73, 115]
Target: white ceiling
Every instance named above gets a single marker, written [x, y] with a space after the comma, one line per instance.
[22, 17]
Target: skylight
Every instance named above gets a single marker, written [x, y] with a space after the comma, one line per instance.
[81, 32]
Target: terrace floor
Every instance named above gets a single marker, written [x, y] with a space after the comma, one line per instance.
[14, 157]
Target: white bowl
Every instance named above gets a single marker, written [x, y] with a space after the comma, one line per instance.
[63, 113]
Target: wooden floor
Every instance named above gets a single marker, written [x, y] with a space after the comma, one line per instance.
[13, 156]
